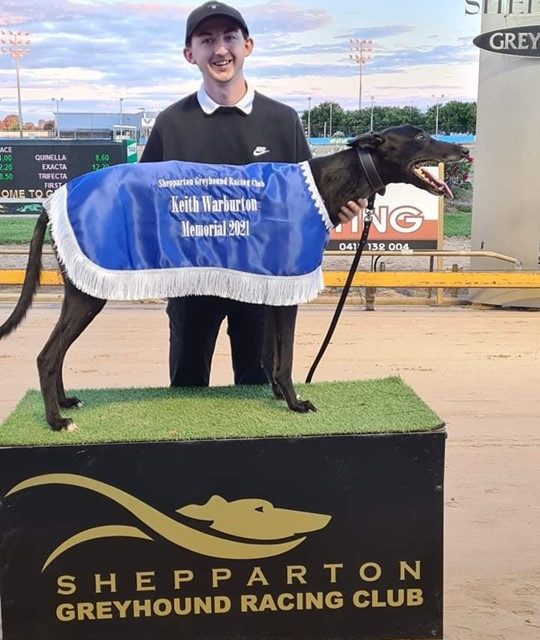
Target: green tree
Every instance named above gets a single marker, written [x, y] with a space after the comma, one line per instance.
[454, 117]
[395, 116]
[459, 117]
[356, 122]
[11, 122]
[324, 113]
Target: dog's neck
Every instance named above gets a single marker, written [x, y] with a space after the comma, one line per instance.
[339, 178]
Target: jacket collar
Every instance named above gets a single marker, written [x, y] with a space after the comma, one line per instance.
[208, 105]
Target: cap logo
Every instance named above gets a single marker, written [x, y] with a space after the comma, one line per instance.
[213, 6]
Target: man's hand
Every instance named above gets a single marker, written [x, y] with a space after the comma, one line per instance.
[351, 210]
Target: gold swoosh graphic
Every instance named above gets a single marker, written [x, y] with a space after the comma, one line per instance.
[109, 531]
[170, 529]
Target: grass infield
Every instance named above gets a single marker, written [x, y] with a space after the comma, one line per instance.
[150, 414]
[20, 230]
[457, 224]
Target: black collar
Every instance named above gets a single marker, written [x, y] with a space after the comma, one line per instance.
[373, 177]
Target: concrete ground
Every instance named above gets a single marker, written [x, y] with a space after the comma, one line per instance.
[479, 369]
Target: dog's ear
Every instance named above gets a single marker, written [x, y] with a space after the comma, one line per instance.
[369, 140]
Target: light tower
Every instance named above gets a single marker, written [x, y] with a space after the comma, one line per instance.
[14, 43]
[437, 106]
[309, 119]
[57, 100]
[362, 53]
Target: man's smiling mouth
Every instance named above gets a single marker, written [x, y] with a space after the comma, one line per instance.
[221, 64]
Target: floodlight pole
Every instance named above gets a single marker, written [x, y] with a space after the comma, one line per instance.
[437, 105]
[309, 119]
[362, 53]
[330, 126]
[57, 100]
[15, 42]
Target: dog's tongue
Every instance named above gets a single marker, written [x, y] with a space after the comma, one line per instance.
[434, 181]
[444, 186]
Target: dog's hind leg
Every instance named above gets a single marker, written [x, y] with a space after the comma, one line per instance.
[285, 323]
[269, 356]
[78, 310]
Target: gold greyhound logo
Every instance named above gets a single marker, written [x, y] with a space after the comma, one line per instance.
[261, 530]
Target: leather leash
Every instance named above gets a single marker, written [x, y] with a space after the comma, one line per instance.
[376, 185]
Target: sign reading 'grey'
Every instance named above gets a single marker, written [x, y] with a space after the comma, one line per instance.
[516, 41]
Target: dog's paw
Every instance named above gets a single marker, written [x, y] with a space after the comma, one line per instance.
[302, 406]
[64, 424]
[69, 403]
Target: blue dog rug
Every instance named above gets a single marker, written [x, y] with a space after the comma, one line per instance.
[253, 233]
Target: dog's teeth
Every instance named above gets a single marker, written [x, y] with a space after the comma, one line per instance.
[439, 185]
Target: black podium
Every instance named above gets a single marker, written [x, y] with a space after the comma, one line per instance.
[311, 537]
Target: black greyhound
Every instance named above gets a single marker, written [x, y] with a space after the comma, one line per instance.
[372, 161]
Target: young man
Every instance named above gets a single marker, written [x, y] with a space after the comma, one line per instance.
[225, 122]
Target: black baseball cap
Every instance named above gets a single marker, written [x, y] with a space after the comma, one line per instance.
[210, 10]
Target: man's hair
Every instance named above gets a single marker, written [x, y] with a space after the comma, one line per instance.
[245, 35]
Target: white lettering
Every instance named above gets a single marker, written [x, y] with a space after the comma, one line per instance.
[502, 7]
[503, 41]
[535, 38]
[406, 219]
[51, 157]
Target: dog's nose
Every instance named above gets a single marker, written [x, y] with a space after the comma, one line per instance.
[464, 151]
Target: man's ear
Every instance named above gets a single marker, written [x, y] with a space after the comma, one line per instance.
[366, 140]
[188, 55]
[248, 45]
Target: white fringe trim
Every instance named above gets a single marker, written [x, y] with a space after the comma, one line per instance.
[315, 195]
[109, 284]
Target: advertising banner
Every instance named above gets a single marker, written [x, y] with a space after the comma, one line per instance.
[406, 218]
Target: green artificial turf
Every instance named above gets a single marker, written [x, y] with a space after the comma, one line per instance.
[130, 415]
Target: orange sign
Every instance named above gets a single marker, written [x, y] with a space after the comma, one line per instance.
[405, 218]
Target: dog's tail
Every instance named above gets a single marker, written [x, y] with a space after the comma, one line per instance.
[31, 278]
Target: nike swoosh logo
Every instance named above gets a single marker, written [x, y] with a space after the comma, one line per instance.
[259, 151]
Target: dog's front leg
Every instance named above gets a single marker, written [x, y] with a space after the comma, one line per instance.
[269, 357]
[285, 323]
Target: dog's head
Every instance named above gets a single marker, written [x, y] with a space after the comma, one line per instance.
[254, 518]
[399, 153]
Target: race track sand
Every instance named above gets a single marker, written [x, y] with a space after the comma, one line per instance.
[479, 369]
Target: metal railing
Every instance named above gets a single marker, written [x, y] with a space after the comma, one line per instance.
[377, 277]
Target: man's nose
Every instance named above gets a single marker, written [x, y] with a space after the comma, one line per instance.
[220, 49]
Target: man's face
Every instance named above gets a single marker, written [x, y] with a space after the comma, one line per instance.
[218, 48]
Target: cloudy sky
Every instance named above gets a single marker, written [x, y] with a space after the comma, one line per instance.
[91, 53]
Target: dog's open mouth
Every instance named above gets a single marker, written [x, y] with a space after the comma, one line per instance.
[436, 186]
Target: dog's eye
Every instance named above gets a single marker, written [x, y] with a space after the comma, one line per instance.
[259, 509]
[420, 136]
